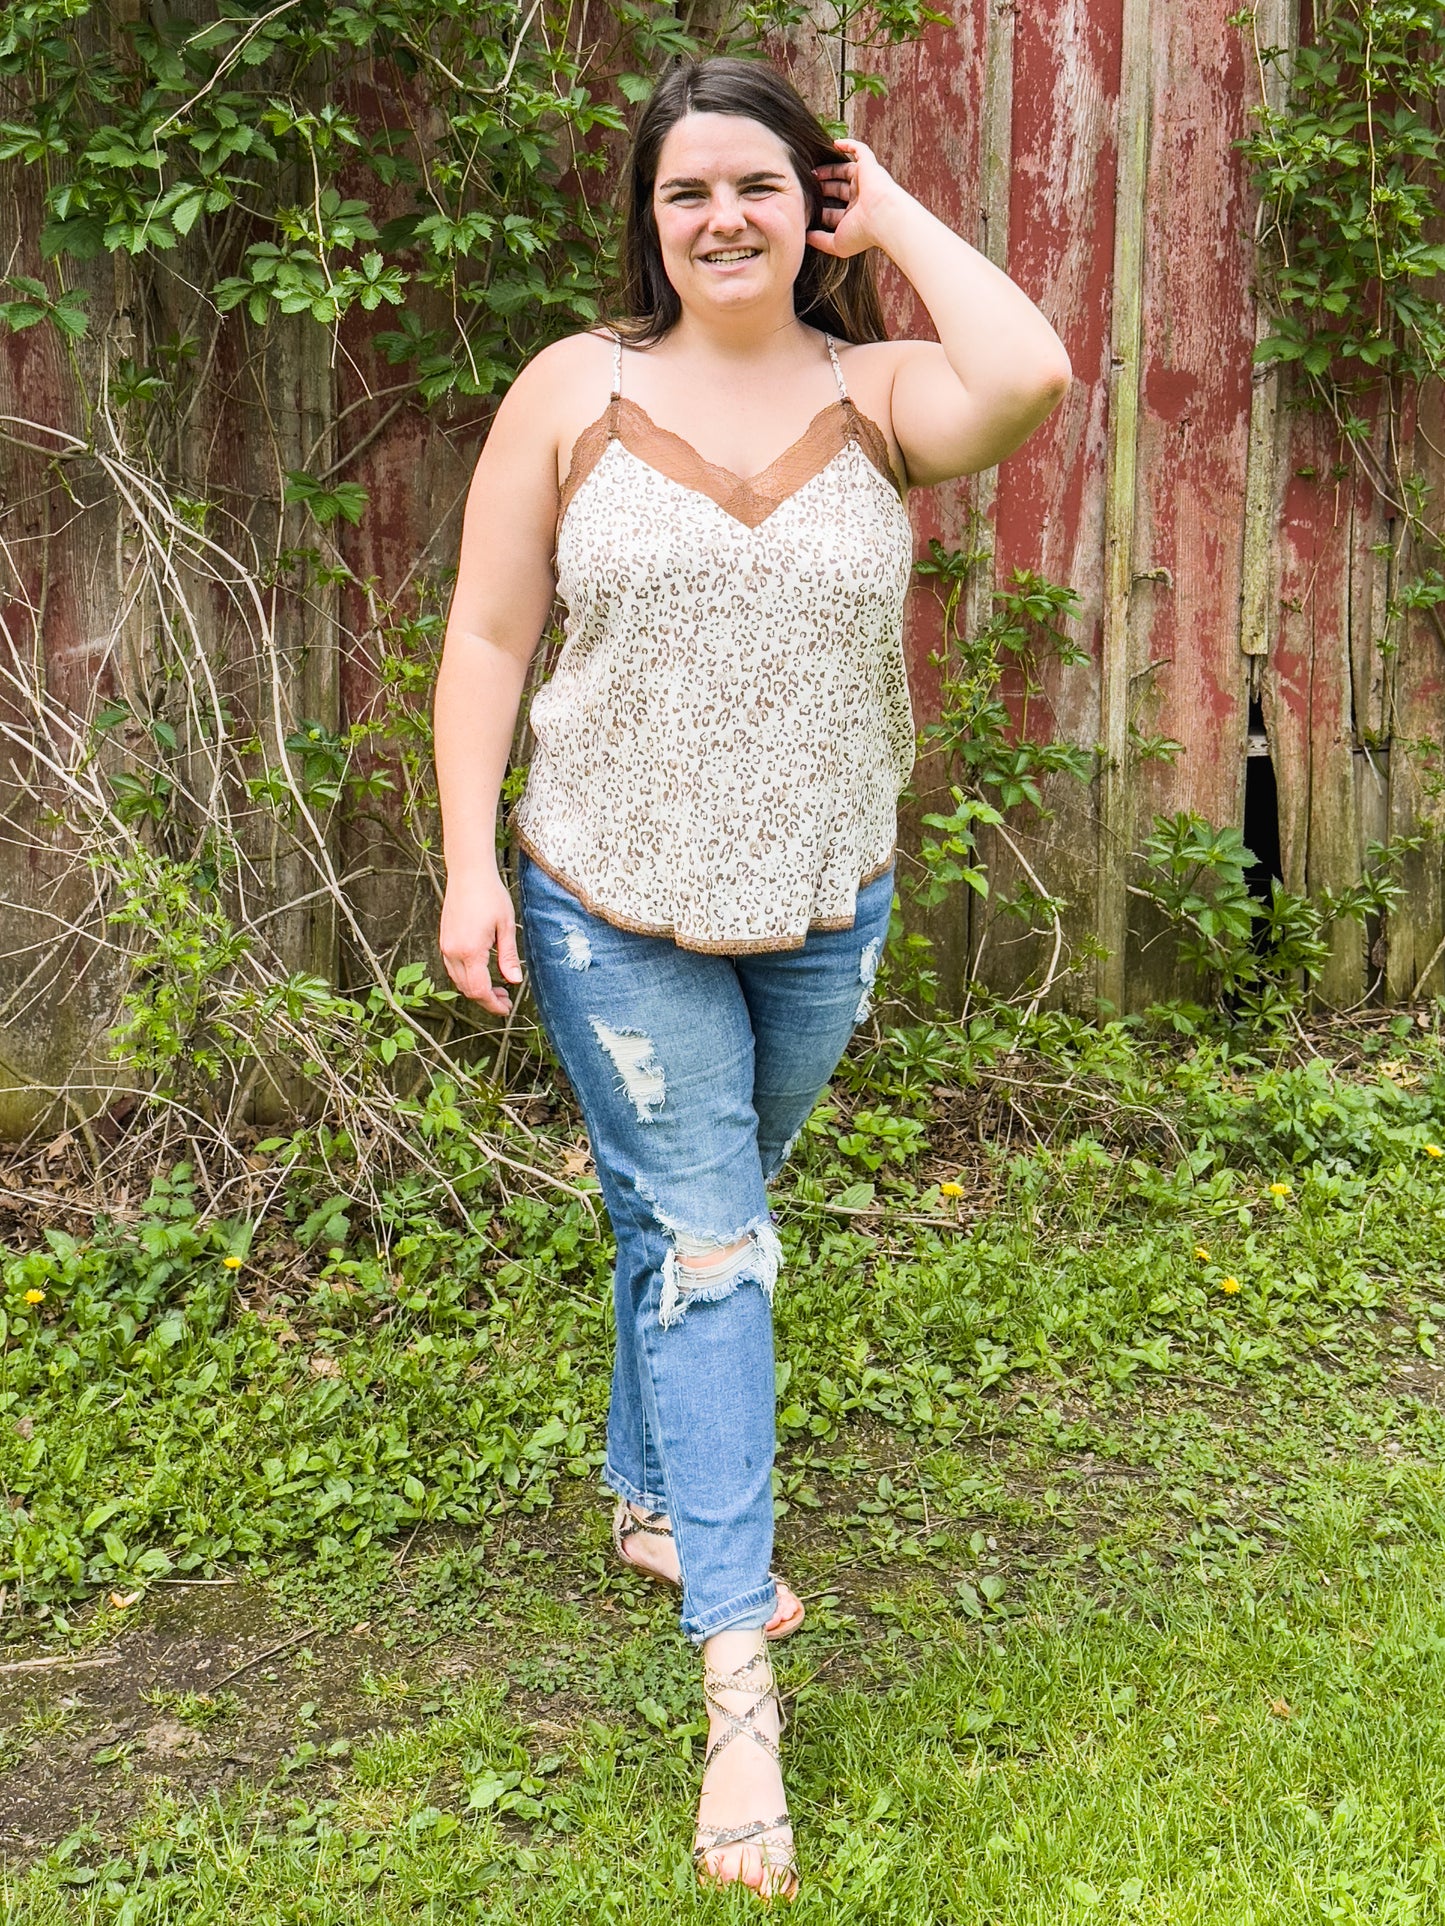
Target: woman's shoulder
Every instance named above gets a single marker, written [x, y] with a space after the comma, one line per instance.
[875, 355]
[562, 386]
[869, 368]
[574, 358]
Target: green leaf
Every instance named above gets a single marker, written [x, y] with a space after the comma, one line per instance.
[856, 1196]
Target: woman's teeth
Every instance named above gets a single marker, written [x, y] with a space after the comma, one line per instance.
[732, 254]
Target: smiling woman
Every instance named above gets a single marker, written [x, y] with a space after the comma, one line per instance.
[715, 172]
[706, 835]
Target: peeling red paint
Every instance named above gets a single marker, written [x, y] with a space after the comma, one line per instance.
[1322, 685]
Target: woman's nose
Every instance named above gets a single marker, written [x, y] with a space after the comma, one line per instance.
[727, 214]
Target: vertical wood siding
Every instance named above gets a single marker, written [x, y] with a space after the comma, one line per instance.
[1221, 547]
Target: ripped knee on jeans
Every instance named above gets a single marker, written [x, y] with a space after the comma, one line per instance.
[705, 1269]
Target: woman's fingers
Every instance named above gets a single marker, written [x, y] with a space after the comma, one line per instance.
[509, 964]
[472, 978]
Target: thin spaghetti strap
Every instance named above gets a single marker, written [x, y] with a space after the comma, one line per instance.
[838, 372]
[616, 367]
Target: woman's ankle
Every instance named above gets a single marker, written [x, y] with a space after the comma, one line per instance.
[725, 1651]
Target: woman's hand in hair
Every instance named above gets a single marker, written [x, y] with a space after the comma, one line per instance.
[856, 193]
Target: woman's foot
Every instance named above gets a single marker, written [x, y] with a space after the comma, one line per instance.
[644, 1538]
[743, 1832]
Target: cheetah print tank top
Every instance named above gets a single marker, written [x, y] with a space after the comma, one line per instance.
[719, 750]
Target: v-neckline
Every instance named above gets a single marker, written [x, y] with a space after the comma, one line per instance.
[748, 499]
[718, 468]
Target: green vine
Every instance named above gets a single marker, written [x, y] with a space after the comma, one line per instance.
[1258, 959]
[981, 751]
[408, 198]
[1350, 168]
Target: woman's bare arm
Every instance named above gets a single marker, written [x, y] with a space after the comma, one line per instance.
[998, 368]
[499, 609]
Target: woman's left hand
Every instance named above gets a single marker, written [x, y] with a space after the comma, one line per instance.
[856, 193]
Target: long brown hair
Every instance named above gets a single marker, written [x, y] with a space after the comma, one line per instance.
[839, 297]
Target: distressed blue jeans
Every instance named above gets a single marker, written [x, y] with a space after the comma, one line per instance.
[695, 1073]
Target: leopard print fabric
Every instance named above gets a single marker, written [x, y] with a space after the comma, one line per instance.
[719, 751]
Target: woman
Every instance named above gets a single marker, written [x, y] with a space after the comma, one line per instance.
[707, 831]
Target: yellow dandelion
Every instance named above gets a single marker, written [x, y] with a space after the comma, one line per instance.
[1201, 1253]
[231, 1263]
[1281, 1190]
[1229, 1285]
[950, 1190]
[35, 1297]
[1434, 1150]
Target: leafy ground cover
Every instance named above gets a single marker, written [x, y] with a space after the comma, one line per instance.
[1112, 1426]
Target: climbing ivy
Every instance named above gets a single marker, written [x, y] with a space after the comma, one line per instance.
[250, 196]
[433, 163]
[1350, 166]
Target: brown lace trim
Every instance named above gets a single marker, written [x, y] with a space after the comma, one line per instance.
[747, 946]
[749, 499]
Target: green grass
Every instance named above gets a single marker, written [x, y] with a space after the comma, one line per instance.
[1124, 1584]
[1263, 1745]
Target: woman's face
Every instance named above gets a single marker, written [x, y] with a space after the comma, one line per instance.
[731, 214]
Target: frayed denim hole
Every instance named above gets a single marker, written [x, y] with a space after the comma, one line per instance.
[867, 973]
[757, 1261]
[577, 949]
[634, 1058]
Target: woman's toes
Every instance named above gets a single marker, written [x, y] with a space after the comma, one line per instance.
[736, 1866]
[730, 1867]
[747, 1866]
[789, 1607]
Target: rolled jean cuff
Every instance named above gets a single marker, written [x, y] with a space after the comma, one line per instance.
[624, 1488]
[748, 1612]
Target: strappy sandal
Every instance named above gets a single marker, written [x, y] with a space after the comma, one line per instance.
[626, 1523]
[772, 1837]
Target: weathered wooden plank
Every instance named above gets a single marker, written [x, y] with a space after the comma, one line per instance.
[1186, 680]
[415, 472]
[264, 404]
[1048, 498]
[1116, 814]
[926, 131]
[1275, 24]
[66, 615]
[995, 162]
[415, 464]
[991, 238]
[1370, 553]
[1307, 690]
[1415, 962]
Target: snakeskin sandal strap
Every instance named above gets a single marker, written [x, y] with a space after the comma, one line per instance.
[759, 1690]
[773, 1837]
[779, 1860]
[627, 1522]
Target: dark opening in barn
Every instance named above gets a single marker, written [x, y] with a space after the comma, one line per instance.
[1261, 810]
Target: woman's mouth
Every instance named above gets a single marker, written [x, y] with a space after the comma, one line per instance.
[729, 256]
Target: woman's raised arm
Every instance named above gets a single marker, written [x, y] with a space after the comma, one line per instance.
[997, 369]
[503, 595]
